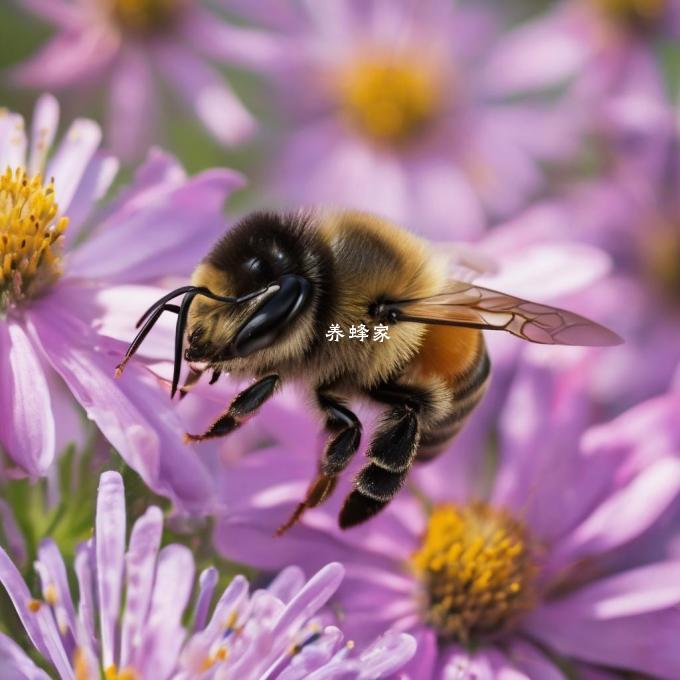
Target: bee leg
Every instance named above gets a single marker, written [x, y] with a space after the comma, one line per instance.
[193, 377]
[391, 454]
[241, 408]
[345, 430]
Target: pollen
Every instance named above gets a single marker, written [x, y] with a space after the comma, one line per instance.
[634, 13]
[145, 16]
[30, 237]
[217, 656]
[390, 100]
[51, 594]
[478, 568]
[34, 606]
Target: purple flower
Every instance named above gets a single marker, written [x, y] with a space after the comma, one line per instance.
[489, 572]
[393, 108]
[124, 45]
[630, 208]
[72, 279]
[272, 633]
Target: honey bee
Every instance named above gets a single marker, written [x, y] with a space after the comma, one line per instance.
[260, 305]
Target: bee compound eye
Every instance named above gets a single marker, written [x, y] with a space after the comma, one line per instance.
[271, 318]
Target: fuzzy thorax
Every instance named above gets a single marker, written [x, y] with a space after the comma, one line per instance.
[30, 237]
[478, 568]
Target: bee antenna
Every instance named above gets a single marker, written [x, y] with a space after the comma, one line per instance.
[182, 317]
[161, 301]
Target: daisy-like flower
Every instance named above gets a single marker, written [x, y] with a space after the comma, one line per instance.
[268, 633]
[67, 289]
[533, 569]
[391, 108]
[124, 44]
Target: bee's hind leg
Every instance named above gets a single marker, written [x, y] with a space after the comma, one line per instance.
[345, 436]
[241, 408]
[391, 453]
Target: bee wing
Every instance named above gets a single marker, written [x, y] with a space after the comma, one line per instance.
[464, 262]
[465, 304]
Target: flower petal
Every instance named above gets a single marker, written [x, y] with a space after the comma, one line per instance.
[140, 567]
[132, 115]
[386, 655]
[163, 633]
[207, 582]
[625, 515]
[87, 611]
[71, 159]
[205, 92]
[190, 219]
[309, 600]
[70, 58]
[132, 412]
[43, 130]
[232, 44]
[12, 140]
[287, 584]
[28, 432]
[110, 549]
[624, 621]
[539, 54]
[15, 663]
[53, 562]
[96, 181]
[57, 12]
[20, 595]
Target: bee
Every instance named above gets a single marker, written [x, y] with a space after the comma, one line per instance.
[260, 305]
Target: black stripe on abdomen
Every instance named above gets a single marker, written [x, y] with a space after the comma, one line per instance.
[466, 393]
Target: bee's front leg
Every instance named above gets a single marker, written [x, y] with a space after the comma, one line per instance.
[241, 408]
[344, 429]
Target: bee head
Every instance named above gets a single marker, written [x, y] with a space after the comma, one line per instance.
[269, 265]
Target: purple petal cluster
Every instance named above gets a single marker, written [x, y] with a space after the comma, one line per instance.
[124, 46]
[58, 341]
[588, 498]
[275, 632]
[396, 108]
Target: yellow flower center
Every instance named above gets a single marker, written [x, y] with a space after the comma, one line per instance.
[145, 16]
[634, 13]
[661, 254]
[478, 566]
[390, 101]
[30, 237]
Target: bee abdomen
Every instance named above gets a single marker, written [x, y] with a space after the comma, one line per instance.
[466, 392]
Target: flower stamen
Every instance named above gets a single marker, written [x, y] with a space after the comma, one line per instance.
[30, 236]
[478, 568]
